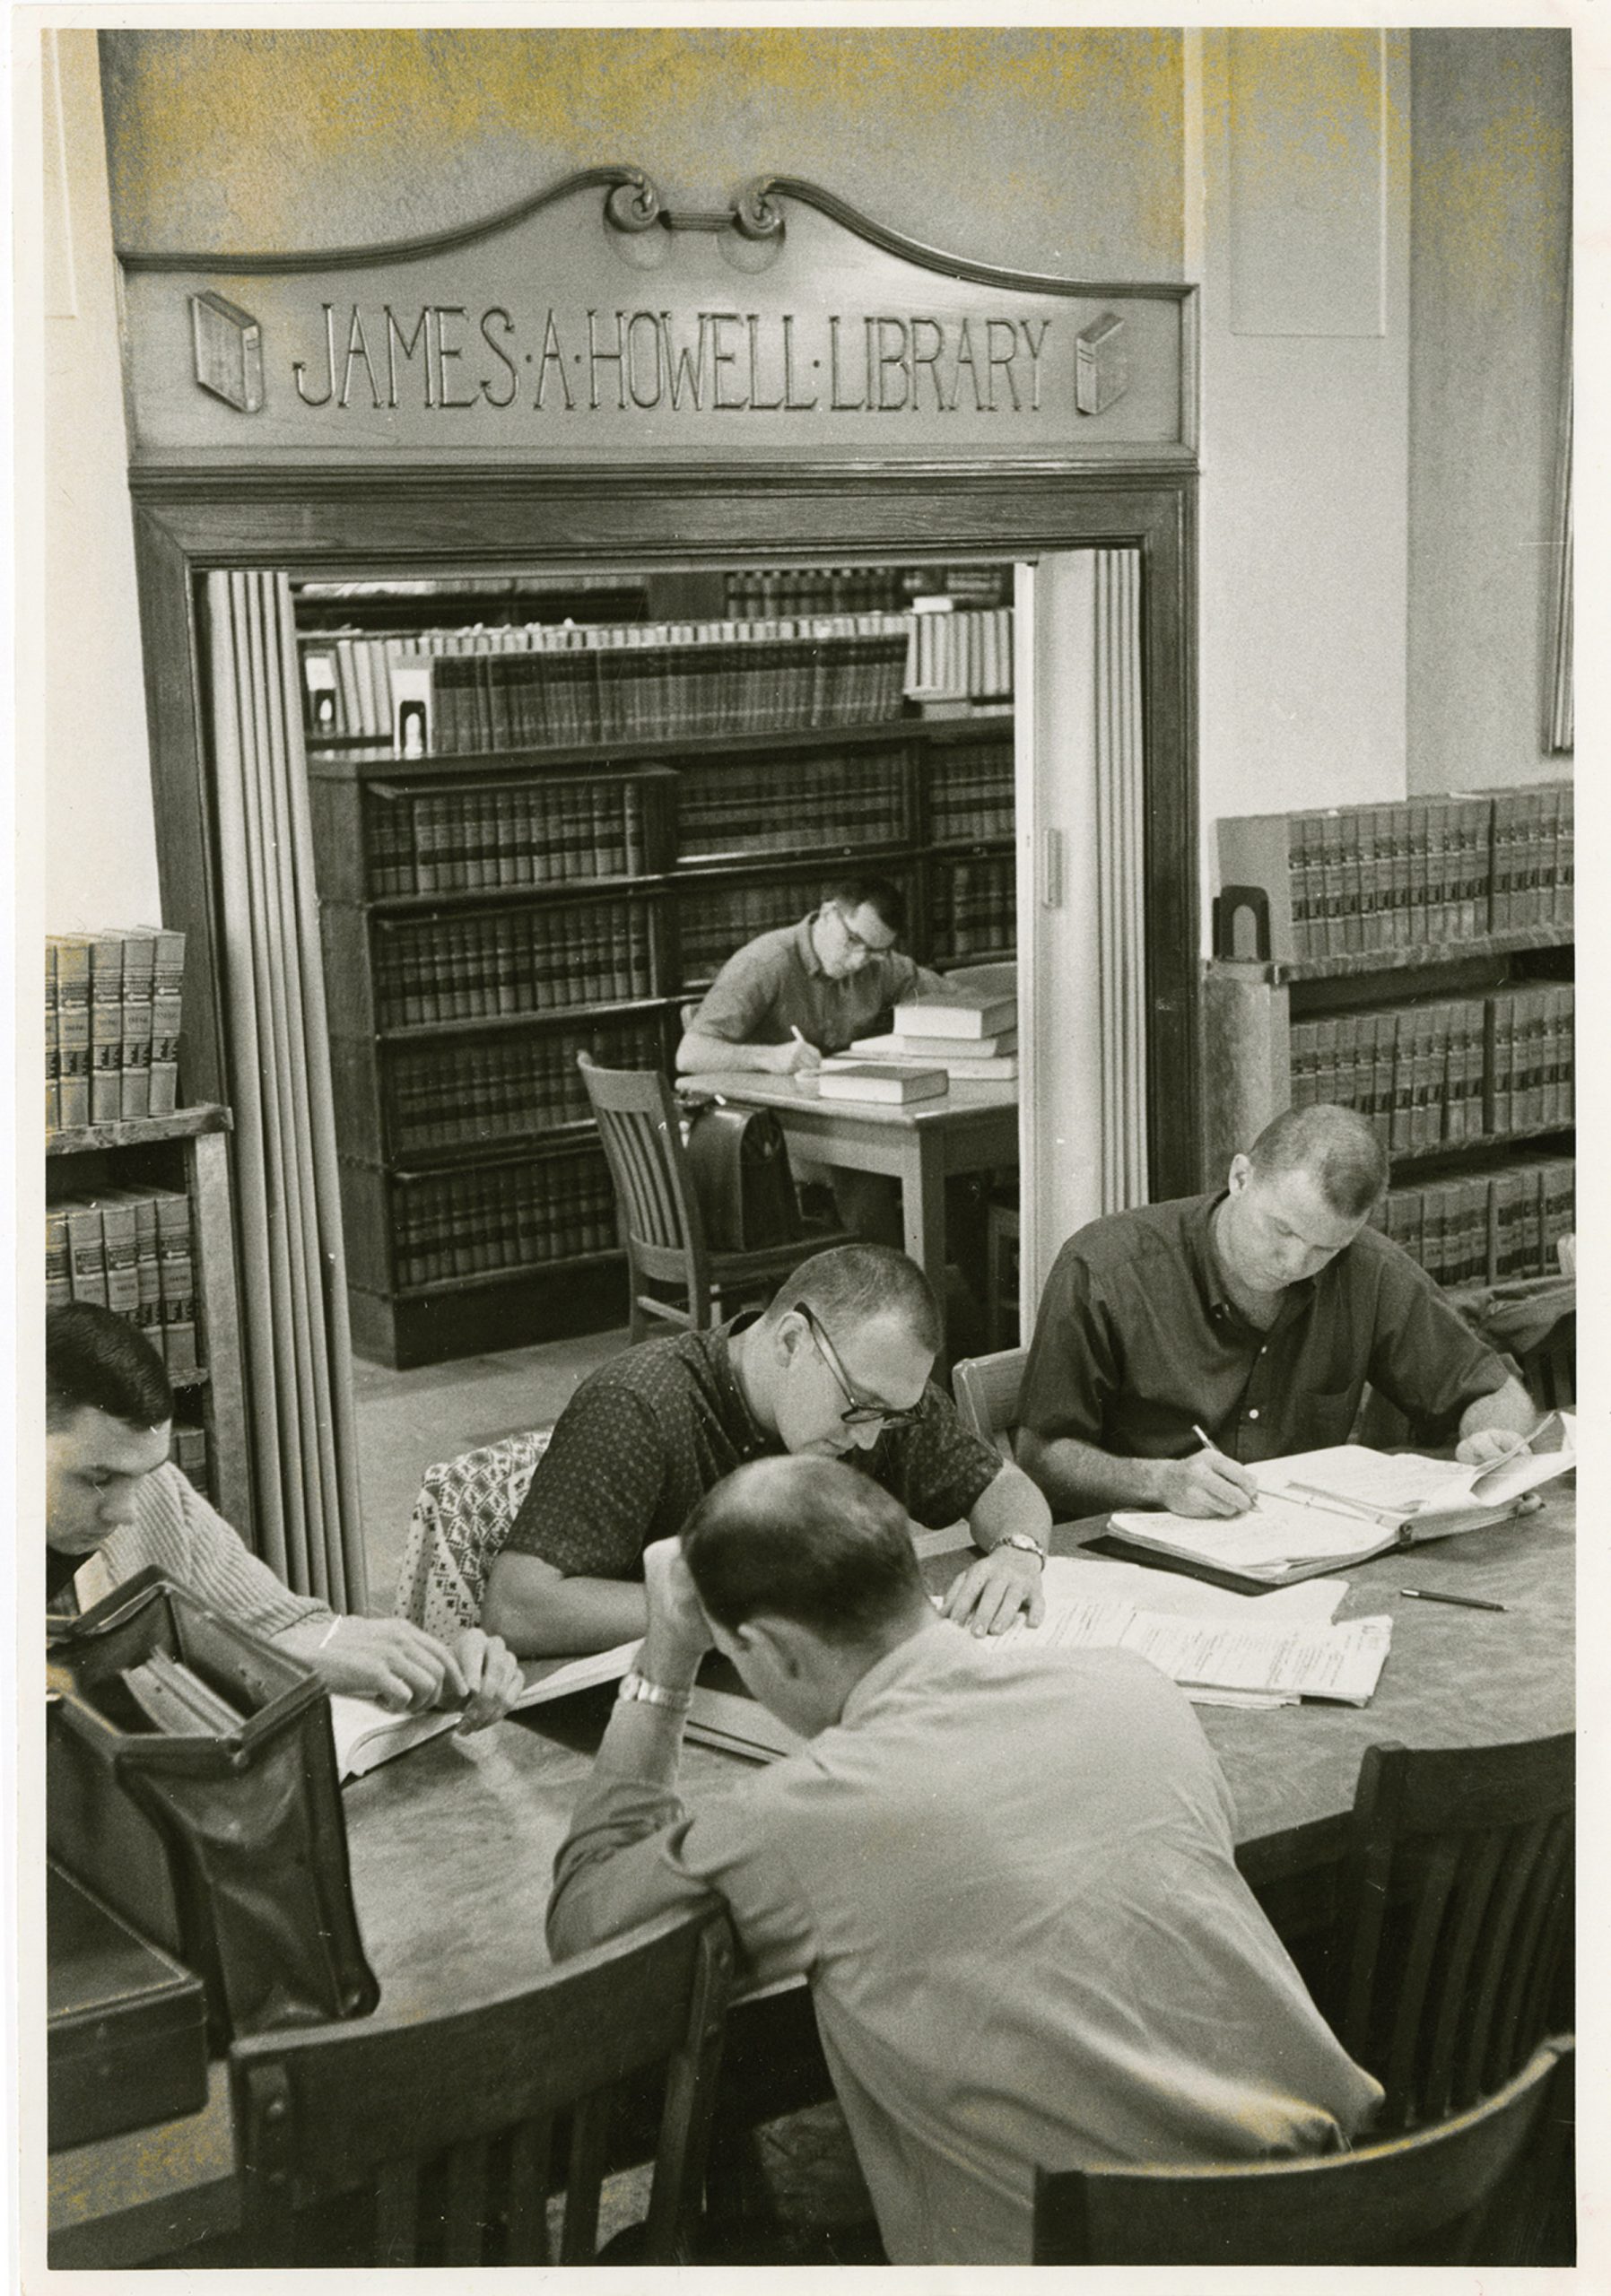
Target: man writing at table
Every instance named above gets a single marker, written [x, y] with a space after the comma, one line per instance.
[837, 1367]
[114, 1504]
[1007, 1873]
[1253, 1317]
[789, 996]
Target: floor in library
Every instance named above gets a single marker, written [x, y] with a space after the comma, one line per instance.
[409, 1419]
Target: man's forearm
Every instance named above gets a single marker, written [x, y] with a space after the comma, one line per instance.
[1509, 1410]
[1011, 1503]
[540, 1615]
[1079, 1479]
[702, 1056]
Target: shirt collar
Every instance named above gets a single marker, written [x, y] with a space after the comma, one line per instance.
[749, 1435]
[806, 948]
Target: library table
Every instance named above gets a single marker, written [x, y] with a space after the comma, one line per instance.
[452, 1846]
[971, 1128]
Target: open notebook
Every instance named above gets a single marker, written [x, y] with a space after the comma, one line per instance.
[1322, 1510]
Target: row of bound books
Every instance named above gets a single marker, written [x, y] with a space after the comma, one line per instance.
[112, 1014]
[547, 685]
[779, 807]
[715, 917]
[1430, 870]
[1489, 1228]
[1441, 1074]
[479, 963]
[544, 832]
[974, 909]
[971, 794]
[967, 652]
[468, 1093]
[758, 592]
[129, 1249]
[484, 1217]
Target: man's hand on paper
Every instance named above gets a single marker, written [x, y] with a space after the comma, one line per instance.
[989, 1595]
[1488, 1446]
[1207, 1483]
[491, 1674]
[679, 1634]
[392, 1661]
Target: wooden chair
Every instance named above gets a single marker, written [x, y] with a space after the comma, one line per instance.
[1470, 2190]
[429, 2143]
[1455, 1914]
[657, 1209]
[986, 1387]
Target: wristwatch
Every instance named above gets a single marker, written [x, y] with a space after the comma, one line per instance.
[634, 1685]
[1027, 1541]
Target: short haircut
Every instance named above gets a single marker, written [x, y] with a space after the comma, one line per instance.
[1337, 1148]
[874, 893]
[811, 1540]
[854, 1284]
[96, 1361]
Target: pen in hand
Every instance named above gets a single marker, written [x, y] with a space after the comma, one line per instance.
[1233, 1475]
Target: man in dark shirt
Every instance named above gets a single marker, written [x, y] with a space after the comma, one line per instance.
[789, 996]
[1256, 1315]
[837, 1367]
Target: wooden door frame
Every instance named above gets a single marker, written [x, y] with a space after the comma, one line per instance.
[396, 521]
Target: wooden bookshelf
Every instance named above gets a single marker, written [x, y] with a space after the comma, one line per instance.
[187, 1151]
[457, 1008]
[1459, 1048]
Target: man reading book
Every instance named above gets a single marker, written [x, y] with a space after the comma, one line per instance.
[1008, 1874]
[838, 1366]
[114, 1504]
[1252, 1318]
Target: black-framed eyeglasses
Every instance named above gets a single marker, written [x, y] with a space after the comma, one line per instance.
[860, 1412]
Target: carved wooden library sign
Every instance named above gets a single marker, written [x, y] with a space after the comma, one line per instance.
[591, 323]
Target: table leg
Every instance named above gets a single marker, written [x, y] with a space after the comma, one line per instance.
[923, 1204]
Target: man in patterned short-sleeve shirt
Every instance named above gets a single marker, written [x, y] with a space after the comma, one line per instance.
[837, 1367]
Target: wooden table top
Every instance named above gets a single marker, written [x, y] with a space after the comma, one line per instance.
[964, 1097]
[452, 1847]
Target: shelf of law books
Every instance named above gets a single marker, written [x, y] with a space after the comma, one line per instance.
[539, 836]
[1414, 961]
[138, 1214]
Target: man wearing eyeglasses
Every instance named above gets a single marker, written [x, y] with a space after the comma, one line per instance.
[837, 1367]
[790, 996]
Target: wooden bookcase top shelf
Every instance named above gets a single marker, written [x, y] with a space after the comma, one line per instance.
[136, 1132]
[369, 761]
[1358, 963]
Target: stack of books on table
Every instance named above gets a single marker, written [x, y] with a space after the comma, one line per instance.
[972, 1037]
[892, 1082]
[111, 1025]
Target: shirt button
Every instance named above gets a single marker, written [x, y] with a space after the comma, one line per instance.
[1252, 1414]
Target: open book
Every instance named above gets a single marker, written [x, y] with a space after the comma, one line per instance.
[367, 1734]
[1322, 1510]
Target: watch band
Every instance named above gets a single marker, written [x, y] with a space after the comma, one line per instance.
[1025, 1541]
[634, 1685]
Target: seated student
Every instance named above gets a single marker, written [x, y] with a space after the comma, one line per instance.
[1257, 1315]
[1008, 1872]
[115, 1503]
[789, 996]
[838, 1365]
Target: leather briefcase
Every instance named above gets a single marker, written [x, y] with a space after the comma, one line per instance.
[229, 1851]
[739, 1160]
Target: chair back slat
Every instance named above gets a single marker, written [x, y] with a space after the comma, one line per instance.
[396, 2213]
[464, 2215]
[1451, 1920]
[331, 2111]
[1427, 2199]
[526, 2236]
[590, 2150]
